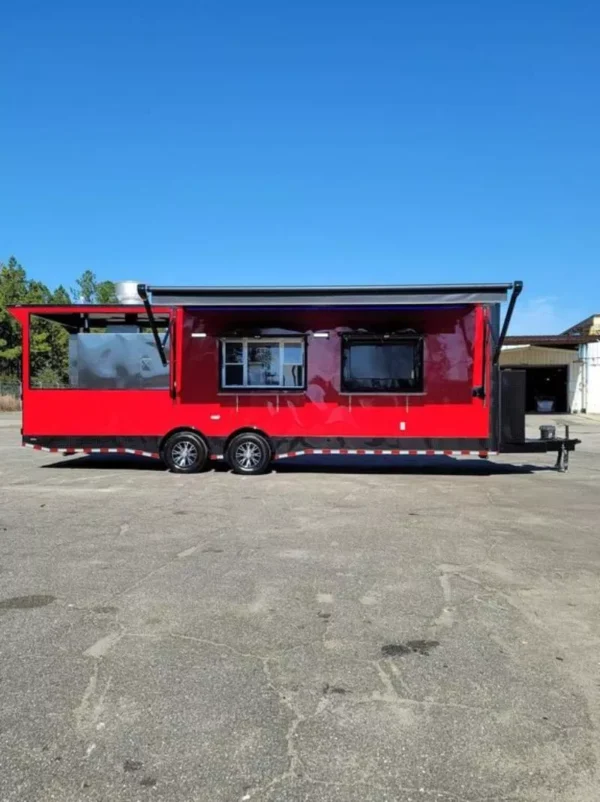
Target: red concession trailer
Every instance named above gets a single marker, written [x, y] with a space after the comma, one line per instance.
[249, 375]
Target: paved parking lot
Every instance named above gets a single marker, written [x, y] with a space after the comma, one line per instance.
[402, 630]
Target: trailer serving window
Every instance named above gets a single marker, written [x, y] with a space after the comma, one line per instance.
[382, 364]
[97, 352]
[256, 363]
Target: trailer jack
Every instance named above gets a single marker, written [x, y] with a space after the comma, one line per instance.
[562, 458]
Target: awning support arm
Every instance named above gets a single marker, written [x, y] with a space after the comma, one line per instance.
[142, 292]
[517, 288]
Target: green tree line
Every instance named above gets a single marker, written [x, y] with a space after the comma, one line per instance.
[49, 341]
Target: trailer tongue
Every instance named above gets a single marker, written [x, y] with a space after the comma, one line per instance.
[190, 374]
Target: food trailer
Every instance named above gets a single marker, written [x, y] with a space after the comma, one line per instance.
[250, 375]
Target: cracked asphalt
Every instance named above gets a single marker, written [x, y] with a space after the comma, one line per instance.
[335, 631]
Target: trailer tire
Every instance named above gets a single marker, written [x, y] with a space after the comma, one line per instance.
[248, 454]
[185, 452]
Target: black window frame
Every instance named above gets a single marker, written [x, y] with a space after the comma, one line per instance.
[416, 340]
[240, 389]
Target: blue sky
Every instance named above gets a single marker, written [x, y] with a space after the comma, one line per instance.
[263, 141]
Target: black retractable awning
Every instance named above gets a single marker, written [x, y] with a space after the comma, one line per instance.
[330, 296]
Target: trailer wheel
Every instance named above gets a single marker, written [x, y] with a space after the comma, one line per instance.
[185, 452]
[249, 454]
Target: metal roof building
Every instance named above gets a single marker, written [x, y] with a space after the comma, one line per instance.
[562, 370]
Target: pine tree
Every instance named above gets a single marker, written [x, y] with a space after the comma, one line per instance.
[49, 341]
[13, 289]
[91, 291]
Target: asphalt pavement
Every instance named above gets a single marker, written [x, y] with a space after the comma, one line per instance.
[339, 630]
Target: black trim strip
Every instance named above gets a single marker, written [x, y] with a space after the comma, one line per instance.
[335, 289]
[66, 442]
[495, 389]
[284, 445]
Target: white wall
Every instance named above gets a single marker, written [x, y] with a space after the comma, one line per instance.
[575, 393]
[591, 359]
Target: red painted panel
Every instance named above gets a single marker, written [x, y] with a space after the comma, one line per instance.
[452, 367]
[453, 354]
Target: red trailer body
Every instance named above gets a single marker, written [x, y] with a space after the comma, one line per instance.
[288, 371]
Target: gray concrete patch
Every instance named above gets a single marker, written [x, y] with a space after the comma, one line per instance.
[334, 631]
[10, 420]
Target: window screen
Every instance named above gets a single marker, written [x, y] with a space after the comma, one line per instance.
[262, 363]
[386, 366]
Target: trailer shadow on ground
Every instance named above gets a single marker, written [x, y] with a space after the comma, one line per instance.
[408, 465]
[112, 462]
[346, 465]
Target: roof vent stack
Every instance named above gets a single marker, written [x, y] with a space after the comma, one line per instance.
[127, 293]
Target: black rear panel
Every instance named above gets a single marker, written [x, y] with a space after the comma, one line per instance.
[512, 406]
